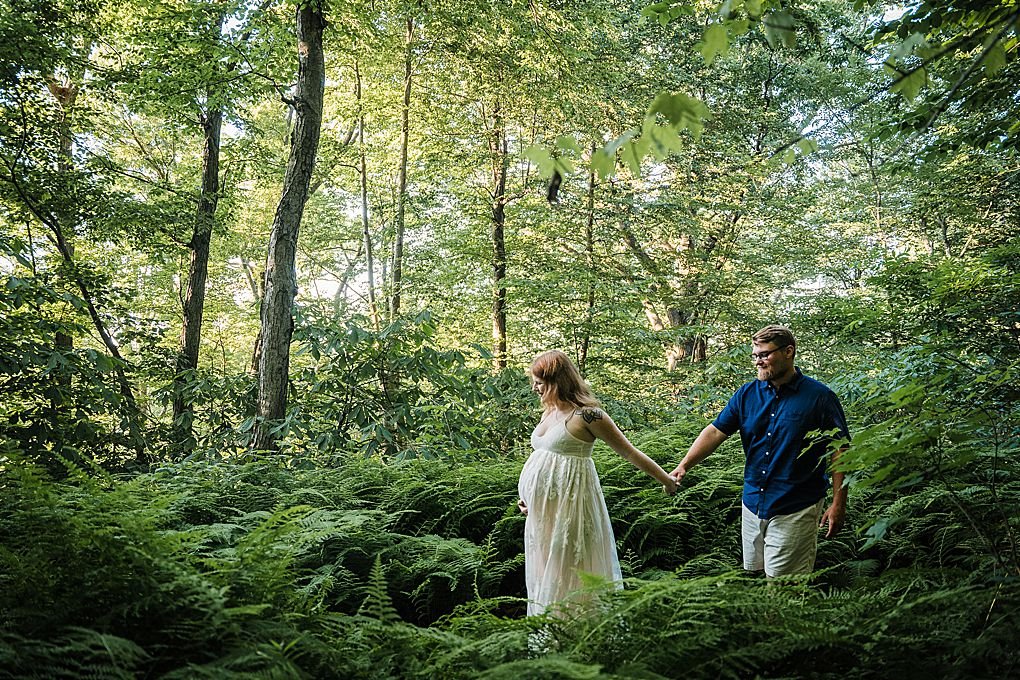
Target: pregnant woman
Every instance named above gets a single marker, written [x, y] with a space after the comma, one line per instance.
[567, 530]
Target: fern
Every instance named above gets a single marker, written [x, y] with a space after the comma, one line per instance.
[378, 604]
[336, 572]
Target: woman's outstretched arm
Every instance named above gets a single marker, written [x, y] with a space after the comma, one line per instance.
[598, 424]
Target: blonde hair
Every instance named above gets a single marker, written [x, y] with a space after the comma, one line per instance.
[562, 380]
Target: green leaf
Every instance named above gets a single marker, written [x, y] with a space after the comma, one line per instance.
[779, 29]
[753, 8]
[995, 60]
[681, 110]
[877, 531]
[738, 27]
[913, 42]
[568, 143]
[663, 140]
[542, 158]
[654, 9]
[103, 363]
[612, 147]
[603, 164]
[807, 146]
[633, 153]
[483, 351]
[910, 85]
[713, 42]
[19, 248]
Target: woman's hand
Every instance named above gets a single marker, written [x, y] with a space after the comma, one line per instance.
[522, 506]
[671, 487]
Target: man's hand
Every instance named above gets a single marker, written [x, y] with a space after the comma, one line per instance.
[522, 506]
[678, 474]
[834, 517]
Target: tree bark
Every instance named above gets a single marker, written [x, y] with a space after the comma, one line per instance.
[66, 93]
[277, 322]
[198, 270]
[398, 221]
[366, 233]
[589, 252]
[500, 165]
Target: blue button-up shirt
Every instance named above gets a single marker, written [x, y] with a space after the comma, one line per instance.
[784, 472]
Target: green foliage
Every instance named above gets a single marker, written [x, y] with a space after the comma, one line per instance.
[962, 55]
[266, 568]
[55, 398]
[384, 540]
[395, 393]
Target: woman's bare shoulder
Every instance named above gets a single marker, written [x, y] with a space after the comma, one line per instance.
[591, 414]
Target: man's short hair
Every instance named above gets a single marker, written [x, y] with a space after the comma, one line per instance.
[780, 335]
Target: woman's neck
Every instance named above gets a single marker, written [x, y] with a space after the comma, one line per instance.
[559, 407]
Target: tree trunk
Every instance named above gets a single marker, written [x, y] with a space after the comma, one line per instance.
[365, 232]
[398, 221]
[194, 299]
[589, 253]
[500, 166]
[66, 93]
[60, 226]
[277, 325]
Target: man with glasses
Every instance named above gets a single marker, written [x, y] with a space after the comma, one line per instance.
[785, 480]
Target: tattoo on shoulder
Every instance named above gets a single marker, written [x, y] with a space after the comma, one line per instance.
[590, 415]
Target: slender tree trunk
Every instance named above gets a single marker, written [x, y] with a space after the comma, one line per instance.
[277, 327]
[365, 231]
[66, 93]
[250, 276]
[133, 413]
[398, 221]
[500, 166]
[869, 156]
[198, 270]
[589, 253]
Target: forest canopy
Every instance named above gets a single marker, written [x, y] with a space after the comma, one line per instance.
[271, 274]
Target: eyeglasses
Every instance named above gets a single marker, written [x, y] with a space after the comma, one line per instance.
[762, 356]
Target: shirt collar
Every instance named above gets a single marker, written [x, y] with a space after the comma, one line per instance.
[797, 380]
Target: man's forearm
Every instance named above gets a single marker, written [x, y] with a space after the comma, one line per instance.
[838, 482]
[838, 489]
[707, 442]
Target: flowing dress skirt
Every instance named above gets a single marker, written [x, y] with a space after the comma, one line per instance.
[567, 531]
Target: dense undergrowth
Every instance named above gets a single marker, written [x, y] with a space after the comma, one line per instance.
[384, 541]
[282, 567]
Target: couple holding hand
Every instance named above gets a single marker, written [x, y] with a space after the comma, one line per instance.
[568, 532]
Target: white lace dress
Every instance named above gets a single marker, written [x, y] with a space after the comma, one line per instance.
[567, 531]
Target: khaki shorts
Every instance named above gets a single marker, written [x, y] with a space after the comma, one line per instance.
[785, 544]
